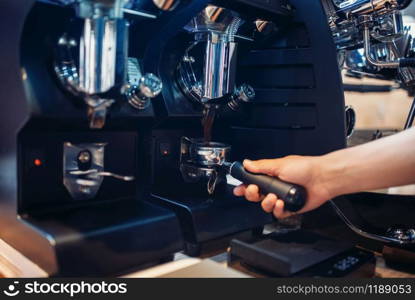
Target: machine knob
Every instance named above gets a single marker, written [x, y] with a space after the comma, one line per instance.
[242, 94]
[149, 86]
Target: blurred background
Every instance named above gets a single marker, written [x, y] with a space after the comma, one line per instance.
[381, 110]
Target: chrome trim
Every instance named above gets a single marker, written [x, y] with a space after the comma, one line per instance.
[381, 238]
[370, 60]
[83, 179]
[139, 13]
[98, 56]
[215, 28]
[141, 89]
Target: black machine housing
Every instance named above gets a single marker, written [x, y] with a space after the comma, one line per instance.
[298, 108]
[113, 232]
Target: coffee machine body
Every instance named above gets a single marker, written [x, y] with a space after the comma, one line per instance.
[73, 192]
[298, 106]
[107, 180]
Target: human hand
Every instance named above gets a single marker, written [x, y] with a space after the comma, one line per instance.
[301, 170]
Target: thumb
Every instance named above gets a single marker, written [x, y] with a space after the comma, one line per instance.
[264, 166]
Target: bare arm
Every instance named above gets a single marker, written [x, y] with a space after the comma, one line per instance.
[383, 163]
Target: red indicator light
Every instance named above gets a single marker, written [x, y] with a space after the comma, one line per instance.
[37, 162]
[165, 152]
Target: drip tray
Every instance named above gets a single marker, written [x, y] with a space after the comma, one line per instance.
[301, 253]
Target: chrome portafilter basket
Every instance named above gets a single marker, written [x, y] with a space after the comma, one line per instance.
[200, 163]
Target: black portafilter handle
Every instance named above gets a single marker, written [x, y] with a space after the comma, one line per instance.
[293, 195]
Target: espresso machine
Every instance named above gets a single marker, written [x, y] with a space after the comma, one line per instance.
[242, 79]
[119, 117]
[374, 40]
[76, 99]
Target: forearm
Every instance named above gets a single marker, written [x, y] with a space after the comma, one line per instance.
[383, 163]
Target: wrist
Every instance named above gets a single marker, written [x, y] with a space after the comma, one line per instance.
[331, 174]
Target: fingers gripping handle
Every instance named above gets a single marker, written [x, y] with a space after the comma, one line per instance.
[294, 196]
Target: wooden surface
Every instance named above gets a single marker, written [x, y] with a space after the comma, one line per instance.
[13, 264]
[378, 110]
[385, 272]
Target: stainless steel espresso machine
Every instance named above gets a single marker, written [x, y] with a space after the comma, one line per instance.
[118, 116]
[374, 40]
[72, 195]
[242, 79]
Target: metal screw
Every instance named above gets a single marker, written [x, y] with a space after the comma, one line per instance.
[150, 85]
[84, 156]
